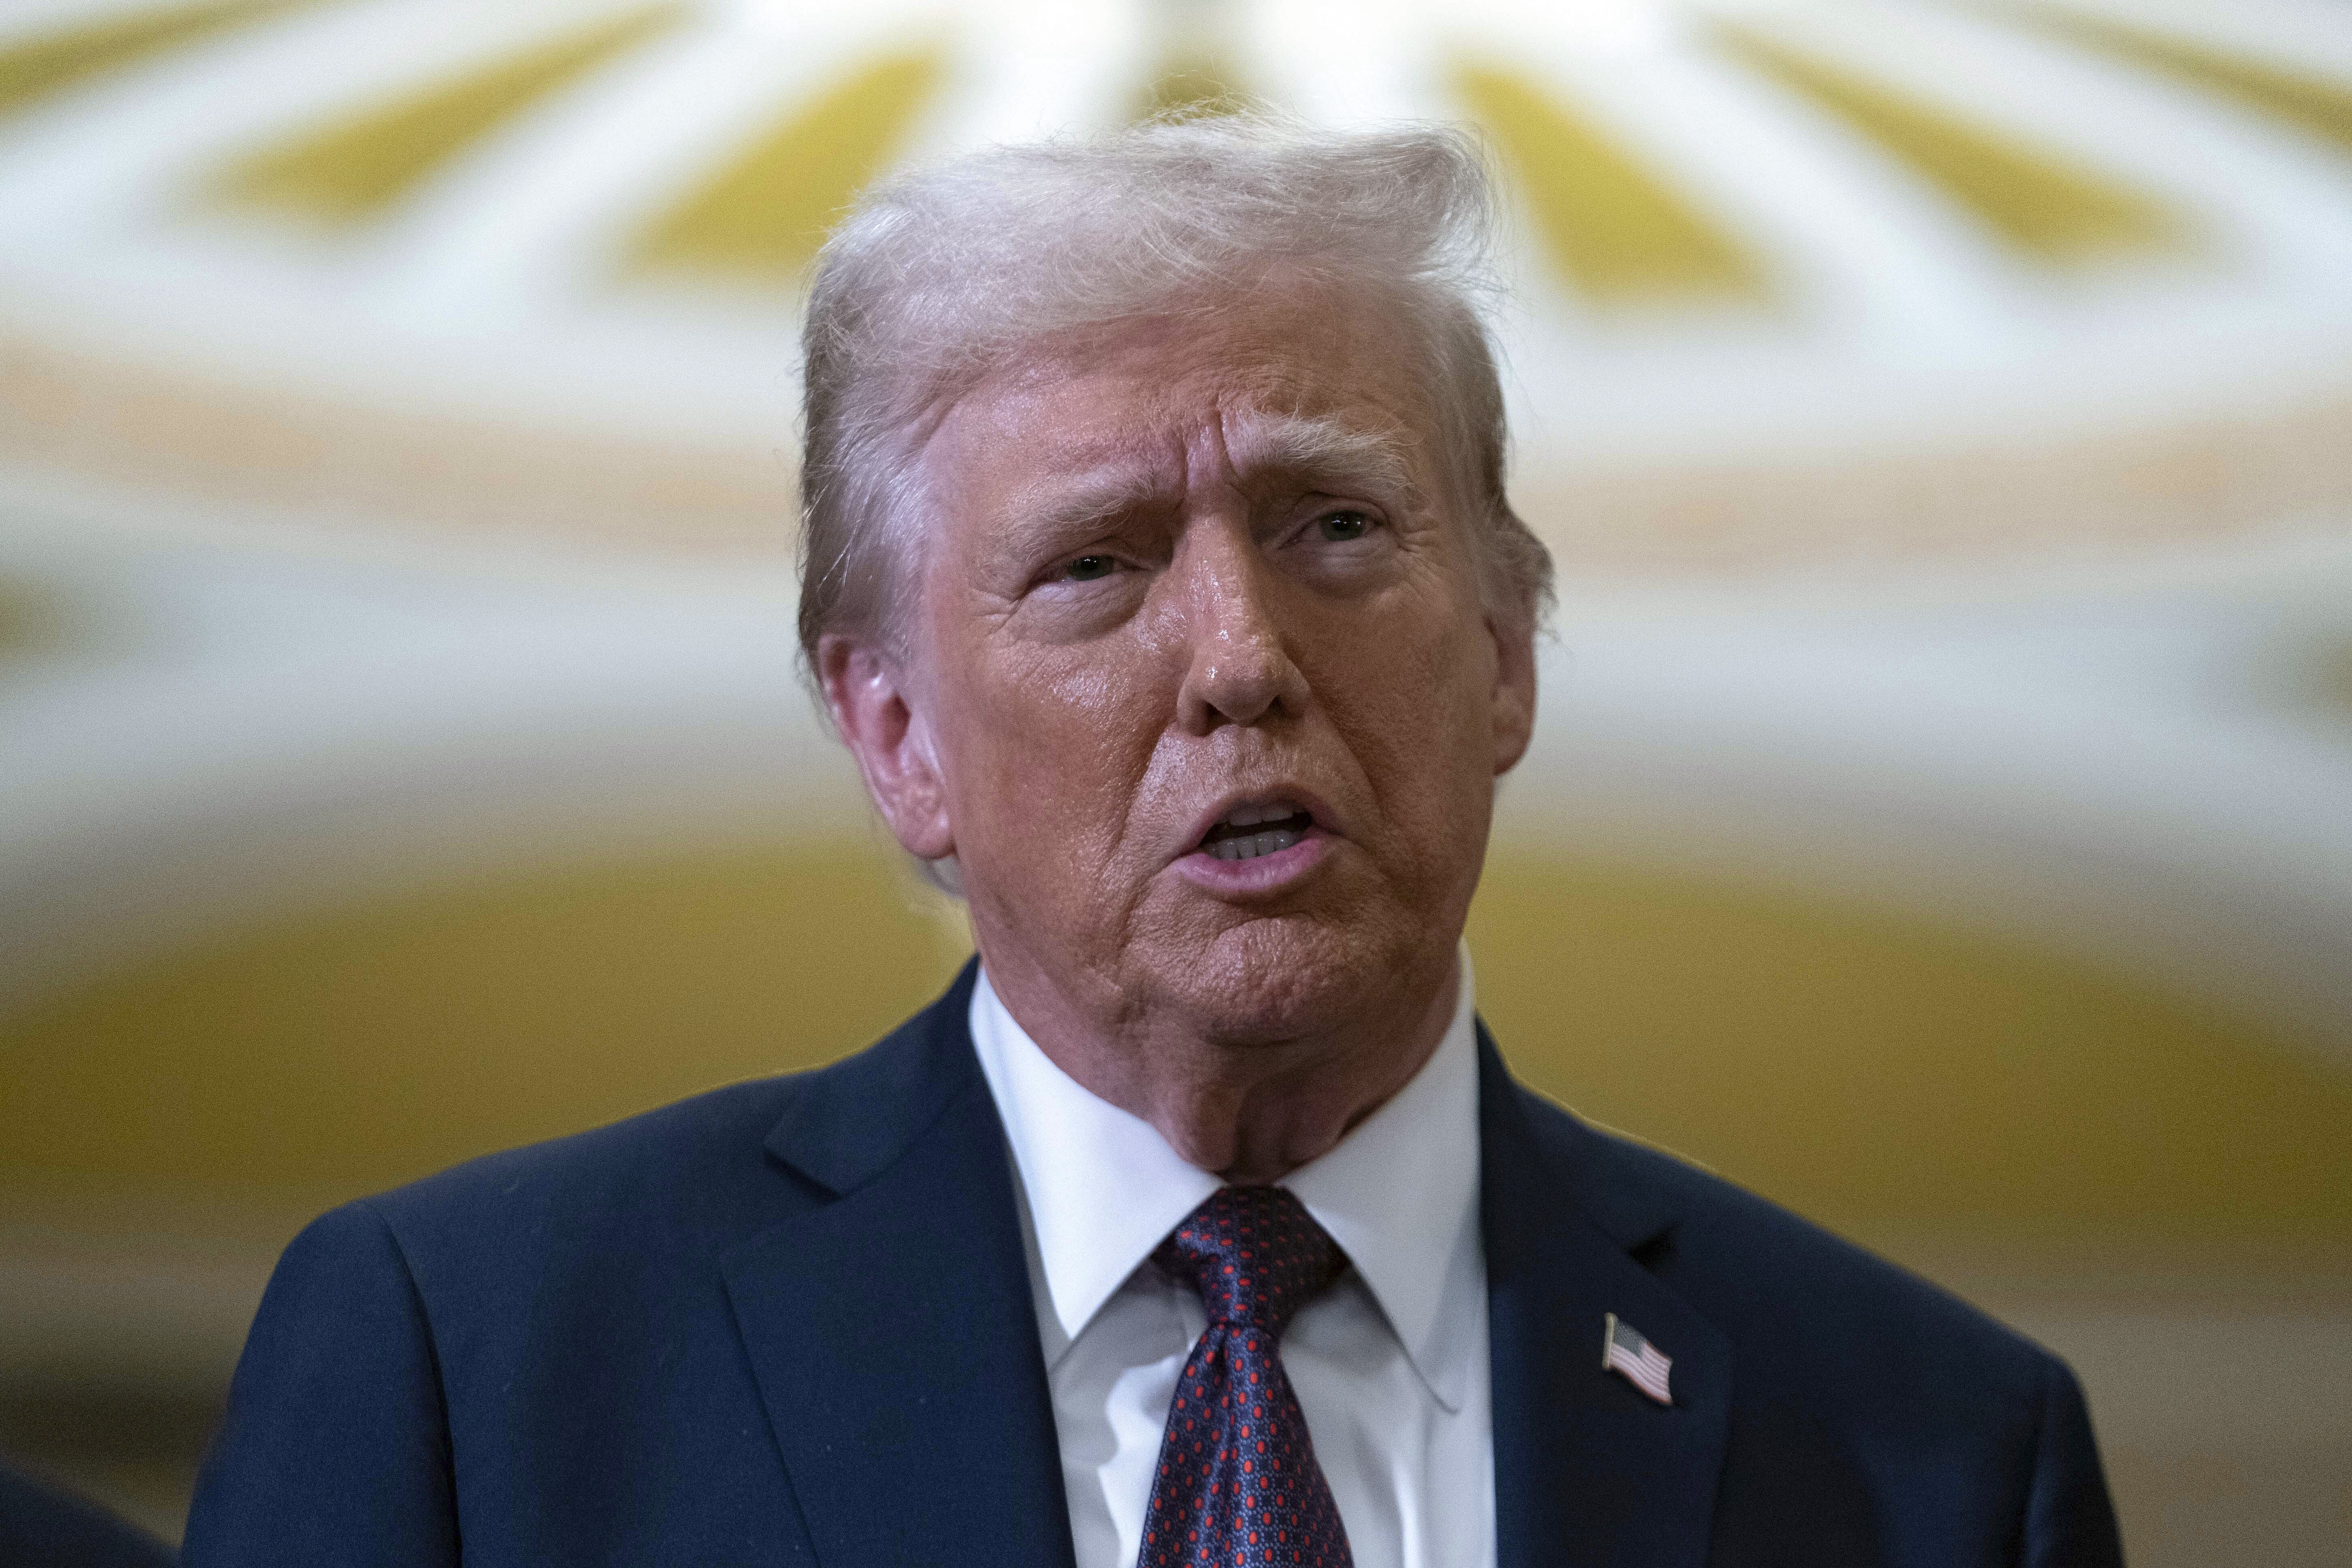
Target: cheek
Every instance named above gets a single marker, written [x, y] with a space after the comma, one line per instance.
[1409, 687]
[1413, 653]
[1051, 744]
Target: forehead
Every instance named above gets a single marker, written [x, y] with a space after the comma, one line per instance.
[1156, 390]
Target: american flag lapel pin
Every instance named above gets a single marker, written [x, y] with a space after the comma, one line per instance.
[1623, 1351]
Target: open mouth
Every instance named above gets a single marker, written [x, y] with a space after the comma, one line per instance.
[1250, 831]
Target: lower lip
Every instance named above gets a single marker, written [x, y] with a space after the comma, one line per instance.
[1264, 874]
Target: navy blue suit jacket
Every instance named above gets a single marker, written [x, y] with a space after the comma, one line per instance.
[790, 1323]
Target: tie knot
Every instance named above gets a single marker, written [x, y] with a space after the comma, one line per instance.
[1255, 1256]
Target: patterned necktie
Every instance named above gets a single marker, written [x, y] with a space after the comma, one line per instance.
[1238, 1484]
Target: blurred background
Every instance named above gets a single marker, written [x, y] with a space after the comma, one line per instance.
[1941, 818]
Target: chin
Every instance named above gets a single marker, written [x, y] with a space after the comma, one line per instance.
[1277, 979]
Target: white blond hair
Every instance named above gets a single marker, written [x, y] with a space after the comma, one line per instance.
[944, 271]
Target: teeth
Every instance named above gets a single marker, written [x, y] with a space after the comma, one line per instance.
[1257, 844]
[1251, 816]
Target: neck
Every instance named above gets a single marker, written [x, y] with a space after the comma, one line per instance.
[1251, 1113]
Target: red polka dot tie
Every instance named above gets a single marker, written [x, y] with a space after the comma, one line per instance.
[1238, 1484]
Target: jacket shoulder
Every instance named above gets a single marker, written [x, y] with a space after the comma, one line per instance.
[628, 1170]
[1854, 1378]
[700, 1166]
[1822, 1309]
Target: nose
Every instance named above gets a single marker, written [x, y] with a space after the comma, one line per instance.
[1240, 669]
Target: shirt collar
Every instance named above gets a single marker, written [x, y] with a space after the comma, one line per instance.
[1398, 1193]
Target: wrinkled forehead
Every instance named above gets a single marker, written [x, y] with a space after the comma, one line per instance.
[1275, 387]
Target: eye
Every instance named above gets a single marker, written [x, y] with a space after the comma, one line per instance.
[1089, 568]
[1343, 526]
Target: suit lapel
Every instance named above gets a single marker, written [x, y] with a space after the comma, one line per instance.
[1587, 1469]
[890, 1327]
[895, 1344]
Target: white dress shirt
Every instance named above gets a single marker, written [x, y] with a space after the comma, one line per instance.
[1389, 1364]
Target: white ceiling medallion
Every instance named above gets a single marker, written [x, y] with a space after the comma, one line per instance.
[1799, 281]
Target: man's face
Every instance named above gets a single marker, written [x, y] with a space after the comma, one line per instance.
[1214, 705]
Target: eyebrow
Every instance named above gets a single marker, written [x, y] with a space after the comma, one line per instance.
[1323, 452]
[1089, 500]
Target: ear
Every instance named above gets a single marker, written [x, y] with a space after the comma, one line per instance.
[883, 725]
[1513, 704]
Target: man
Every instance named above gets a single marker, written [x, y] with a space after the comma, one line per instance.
[1159, 574]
